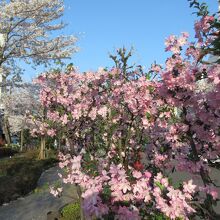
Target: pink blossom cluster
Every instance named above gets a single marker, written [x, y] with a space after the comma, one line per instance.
[127, 133]
[56, 191]
[175, 44]
[202, 27]
[139, 189]
[175, 206]
[156, 68]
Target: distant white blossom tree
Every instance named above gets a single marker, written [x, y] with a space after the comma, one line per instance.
[27, 32]
[18, 103]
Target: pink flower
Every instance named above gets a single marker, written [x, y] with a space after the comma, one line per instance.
[64, 119]
[93, 113]
[103, 111]
[156, 68]
[51, 132]
[56, 192]
[137, 174]
[211, 191]
[188, 187]
[125, 214]
[147, 174]
[214, 193]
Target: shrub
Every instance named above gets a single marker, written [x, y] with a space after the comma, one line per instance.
[128, 131]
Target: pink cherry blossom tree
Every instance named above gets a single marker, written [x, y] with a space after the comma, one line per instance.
[130, 133]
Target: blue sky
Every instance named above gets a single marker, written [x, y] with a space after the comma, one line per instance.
[102, 26]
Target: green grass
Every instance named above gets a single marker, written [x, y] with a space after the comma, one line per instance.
[19, 174]
[43, 188]
[71, 212]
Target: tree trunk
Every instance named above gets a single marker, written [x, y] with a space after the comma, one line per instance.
[79, 193]
[43, 148]
[43, 139]
[6, 130]
[22, 139]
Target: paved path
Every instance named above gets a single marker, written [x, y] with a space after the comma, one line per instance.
[36, 205]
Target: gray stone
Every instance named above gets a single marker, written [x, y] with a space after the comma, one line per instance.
[37, 205]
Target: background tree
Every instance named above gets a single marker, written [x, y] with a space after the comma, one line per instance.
[27, 34]
[17, 104]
